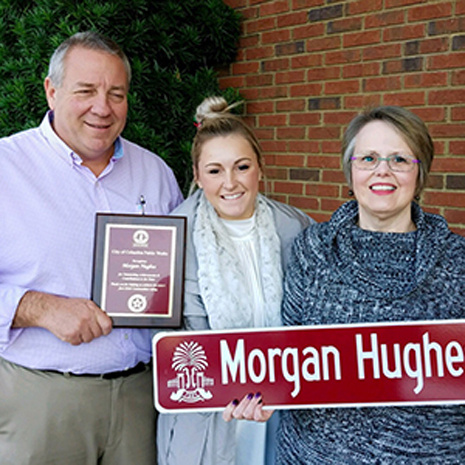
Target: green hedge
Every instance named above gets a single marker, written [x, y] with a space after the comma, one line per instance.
[174, 48]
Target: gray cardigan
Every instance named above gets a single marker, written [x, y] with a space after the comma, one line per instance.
[339, 273]
[204, 438]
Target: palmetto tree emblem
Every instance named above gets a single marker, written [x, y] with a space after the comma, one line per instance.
[190, 362]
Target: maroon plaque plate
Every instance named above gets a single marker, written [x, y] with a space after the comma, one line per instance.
[401, 363]
[138, 274]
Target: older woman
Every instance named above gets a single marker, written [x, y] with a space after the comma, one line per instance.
[379, 258]
[237, 246]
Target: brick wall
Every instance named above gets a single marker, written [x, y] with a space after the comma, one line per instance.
[306, 67]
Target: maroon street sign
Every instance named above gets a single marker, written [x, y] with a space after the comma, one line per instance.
[312, 366]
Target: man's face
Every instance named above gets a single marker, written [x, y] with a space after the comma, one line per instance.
[90, 106]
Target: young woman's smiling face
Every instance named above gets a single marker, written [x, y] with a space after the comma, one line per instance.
[384, 196]
[229, 174]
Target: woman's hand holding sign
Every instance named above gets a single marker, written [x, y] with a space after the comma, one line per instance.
[249, 408]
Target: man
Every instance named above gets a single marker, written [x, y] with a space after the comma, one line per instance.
[73, 389]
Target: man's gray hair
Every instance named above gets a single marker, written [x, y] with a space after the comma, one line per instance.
[90, 40]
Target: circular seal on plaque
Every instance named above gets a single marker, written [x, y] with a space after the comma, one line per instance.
[140, 237]
[137, 303]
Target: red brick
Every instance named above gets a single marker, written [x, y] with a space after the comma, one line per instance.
[303, 146]
[290, 160]
[291, 105]
[236, 3]
[397, 3]
[272, 120]
[324, 74]
[446, 97]
[446, 26]
[310, 30]
[274, 65]
[248, 93]
[445, 199]
[258, 53]
[404, 32]
[362, 38]
[233, 81]
[386, 18]
[342, 57]
[334, 176]
[434, 45]
[339, 117]
[326, 43]
[304, 119]
[325, 132]
[458, 114]
[258, 25]
[259, 80]
[381, 84]
[304, 203]
[292, 19]
[363, 6]
[249, 13]
[344, 25]
[274, 146]
[446, 61]
[306, 61]
[405, 99]
[362, 101]
[446, 130]
[259, 107]
[438, 79]
[306, 90]
[263, 133]
[361, 70]
[273, 92]
[289, 187]
[290, 77]
[330, 205]
[382, 52]
[460, 7]
[249, 41]
[429, 114]
[315, 161]
[274, 8]
[455, 216]
[321, 190]
[273, 37]
[332, 147]
[457, 148]
[449, 165]
[245, 68]
[342, 87]
[458, 78]
[275, 173]
[290, 133]
[430, 11]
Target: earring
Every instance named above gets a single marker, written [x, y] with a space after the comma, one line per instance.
[350, 192]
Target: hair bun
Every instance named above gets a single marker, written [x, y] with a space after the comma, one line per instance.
[211, 107]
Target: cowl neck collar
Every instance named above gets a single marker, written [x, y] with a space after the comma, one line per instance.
[386, 265]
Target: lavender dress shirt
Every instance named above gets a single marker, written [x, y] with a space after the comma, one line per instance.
[48, 201]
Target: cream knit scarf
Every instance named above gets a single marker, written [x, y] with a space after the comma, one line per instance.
[222, 284]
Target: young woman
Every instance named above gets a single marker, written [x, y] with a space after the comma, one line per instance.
[237, 247]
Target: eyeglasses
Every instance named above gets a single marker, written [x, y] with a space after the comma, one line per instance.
[399, 163]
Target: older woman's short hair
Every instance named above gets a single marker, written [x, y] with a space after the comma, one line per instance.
[410, 127]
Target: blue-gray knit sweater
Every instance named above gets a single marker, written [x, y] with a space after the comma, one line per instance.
[339, 273]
